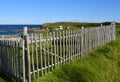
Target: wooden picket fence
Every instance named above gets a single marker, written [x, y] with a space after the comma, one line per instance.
[36, 54]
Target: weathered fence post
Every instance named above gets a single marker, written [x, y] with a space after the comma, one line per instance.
[82, 41]
[113, 31]
[102, 35]
[26, 55]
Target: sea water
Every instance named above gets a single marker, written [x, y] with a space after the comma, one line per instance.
[10, 29]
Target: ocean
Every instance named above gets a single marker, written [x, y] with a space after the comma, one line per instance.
[9, 29]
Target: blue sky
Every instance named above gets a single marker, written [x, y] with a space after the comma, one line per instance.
[44, 11]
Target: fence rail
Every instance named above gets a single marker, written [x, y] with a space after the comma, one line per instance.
[39, 53]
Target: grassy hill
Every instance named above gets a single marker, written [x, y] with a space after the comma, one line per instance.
[72, 25]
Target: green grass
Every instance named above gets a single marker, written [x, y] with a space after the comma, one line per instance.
[101, 65]
[2, 80]
[72, 25]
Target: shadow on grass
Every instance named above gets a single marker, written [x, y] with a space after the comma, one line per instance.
[8, 78]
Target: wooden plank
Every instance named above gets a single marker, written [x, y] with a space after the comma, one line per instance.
[23, 61]
[102, 40]
[60, 46]
[66, 46]
[96, 38]
[79, 43]
[41, 57]
[28, 56]
[16, 71]
[57, 46]
[36, 50]
[69, 56]
[54, 49]
[7, 56]
[14, 58]
[44, 43]
[92, 39]
[19, 64]
[114, 31]
[86, 41]
[74, 45]
[51, 50]
[1, 54]
[82, 42]
[75, 49]
[70, 45]
[12, 55]
[10, 49]
[48, 55]
[63, 44]
[98, 32]
[33, 67]
[77, 38]
[101, 33]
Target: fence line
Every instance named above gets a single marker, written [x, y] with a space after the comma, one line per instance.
[61, 47]
[39, 53]
[10, 56]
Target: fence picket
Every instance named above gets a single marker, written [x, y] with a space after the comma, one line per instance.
[36, 50]
[33, 67]
[41, 53]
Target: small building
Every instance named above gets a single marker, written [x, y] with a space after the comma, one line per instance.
[60, 27]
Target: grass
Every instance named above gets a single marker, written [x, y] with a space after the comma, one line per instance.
[72, 25]
[101, 65]
[2, 80]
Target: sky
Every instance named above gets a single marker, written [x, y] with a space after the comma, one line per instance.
[47, 11]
